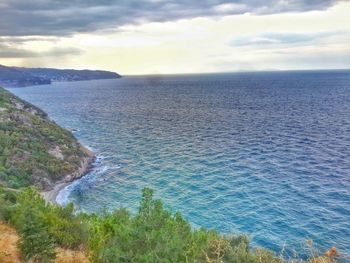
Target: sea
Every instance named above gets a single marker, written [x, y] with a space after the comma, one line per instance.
[265, 154]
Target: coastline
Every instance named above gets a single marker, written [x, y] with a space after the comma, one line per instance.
[41, 130]
[86, 165]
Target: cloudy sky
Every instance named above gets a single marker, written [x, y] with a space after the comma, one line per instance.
[183, 36]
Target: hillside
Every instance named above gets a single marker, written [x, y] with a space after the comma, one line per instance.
[12, 77]
[21, 77]
[10, 253]
[33, 149]
[69, 74]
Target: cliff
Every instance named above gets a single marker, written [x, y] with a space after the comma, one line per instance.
[33, 149]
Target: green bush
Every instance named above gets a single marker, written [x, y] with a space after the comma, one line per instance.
[152, 235]
[65, 228]
[156, 235]
[6, 199]
[68, 230]
[36, 243]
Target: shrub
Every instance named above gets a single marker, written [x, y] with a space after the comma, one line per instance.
[156, 235]
[68, 230]
[36, 243]
[152, 235]
[65, 228]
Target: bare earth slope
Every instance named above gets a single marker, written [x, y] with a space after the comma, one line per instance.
[9, 252]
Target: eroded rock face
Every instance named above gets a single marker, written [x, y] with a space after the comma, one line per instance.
[18, 105]
[21, 119]
[56, 152]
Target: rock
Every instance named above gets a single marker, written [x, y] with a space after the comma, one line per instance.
[56, 152]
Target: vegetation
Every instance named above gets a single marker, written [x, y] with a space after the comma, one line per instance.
[153, 234]
[33, 149]
[156, 235]
[10, 253]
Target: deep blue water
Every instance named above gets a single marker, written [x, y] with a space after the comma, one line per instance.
[267, 154]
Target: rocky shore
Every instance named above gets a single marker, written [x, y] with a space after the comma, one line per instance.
[35, 151]
[86, 165]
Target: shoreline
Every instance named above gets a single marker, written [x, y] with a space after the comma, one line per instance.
[50, 196]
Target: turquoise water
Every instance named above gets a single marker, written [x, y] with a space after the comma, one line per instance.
[266, 154]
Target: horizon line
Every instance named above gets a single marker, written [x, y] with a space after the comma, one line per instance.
[234, 72]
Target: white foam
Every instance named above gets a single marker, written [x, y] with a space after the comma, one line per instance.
[62, 197]
[98, 169]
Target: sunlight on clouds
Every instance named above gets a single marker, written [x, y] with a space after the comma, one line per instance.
[315, 39]
[223, 8]
[114, 42]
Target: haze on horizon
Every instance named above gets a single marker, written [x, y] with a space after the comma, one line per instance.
[168, 36]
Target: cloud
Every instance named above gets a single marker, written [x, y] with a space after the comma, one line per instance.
[10, 51]
[66, 17]
[281, 38]
[16, 40]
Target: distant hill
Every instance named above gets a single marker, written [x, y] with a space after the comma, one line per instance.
[21, 77]
[12, 77]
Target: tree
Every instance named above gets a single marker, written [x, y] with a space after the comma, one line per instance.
[35, 242]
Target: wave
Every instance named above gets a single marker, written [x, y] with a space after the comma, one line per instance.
[98, 169]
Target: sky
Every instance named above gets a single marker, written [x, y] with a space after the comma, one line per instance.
[134, 37]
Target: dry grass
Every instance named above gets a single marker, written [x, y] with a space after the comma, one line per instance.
[321, 260]
[9, 252]
[70, 256]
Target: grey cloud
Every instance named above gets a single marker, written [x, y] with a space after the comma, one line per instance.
[66, 51]
[17, 40]
[65, 17]
[7, 51]
[10, 52]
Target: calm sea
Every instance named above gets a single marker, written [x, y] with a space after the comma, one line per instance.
[267, 154]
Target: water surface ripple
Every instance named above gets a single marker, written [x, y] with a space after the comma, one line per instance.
[266, 154]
